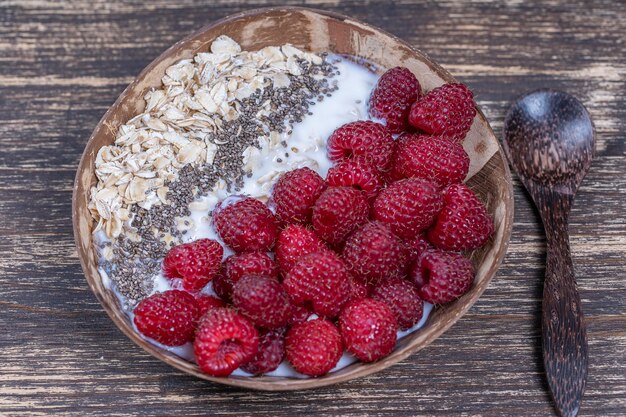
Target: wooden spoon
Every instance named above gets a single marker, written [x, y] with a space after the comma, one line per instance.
[549, 140]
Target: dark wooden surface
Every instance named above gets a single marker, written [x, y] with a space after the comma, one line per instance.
[63, 63]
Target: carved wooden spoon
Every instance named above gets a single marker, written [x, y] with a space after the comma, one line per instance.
[549, 140]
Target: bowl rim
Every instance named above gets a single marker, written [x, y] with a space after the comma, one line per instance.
[295, 383]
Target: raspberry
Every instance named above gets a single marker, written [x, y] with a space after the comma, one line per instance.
[298, 314]
[222, 286]
[403, 299]
[236, 266]
[320, 278]
[196, 263]
[416, 246]
[391, 176]
[374, 253]
[246, 225]
[432, 158]
[391, 100]
[408, 206]
[207, 303]
[168, 317]
[294, 242]
[224, 341]
[357, 173]
[338, 212]
[263, 300]
[295, 193]
[313, 347]
[368, 329]
[463, 223]
[368, 139]
[358, 290]
[270, 354]
[447, 111]
[441, 277]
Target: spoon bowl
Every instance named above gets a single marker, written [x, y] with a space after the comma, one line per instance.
[549, 137]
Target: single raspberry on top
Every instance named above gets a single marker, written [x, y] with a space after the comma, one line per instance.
[294, 194]
[403, 299]
[293, 243]
[368, 329]
[374, 253]
[168, 317]
[224, 341]
[196, 263]
[246, 225]
[463, 223]
[357, 173]
[442, 277]
[396, 90]
[447, 111]
[430, 157]
[363, 138]
[408, 206]
[338, 212]
[320, 279]
[313, 347]
[236, 266]
[270, 354]
[263, 300]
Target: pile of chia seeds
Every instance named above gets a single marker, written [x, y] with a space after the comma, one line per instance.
[135, 260]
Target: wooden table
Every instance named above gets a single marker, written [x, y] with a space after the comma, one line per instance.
[63, 64]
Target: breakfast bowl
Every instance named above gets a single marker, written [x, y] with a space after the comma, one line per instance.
[314, 31]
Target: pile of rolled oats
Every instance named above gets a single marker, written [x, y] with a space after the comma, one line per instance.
[181, 125]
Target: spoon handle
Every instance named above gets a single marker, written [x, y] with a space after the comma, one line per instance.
[565, 355]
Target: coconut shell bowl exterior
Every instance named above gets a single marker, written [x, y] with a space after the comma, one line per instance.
[315, 31]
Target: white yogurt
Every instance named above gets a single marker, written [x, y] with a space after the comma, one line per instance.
[306, 145]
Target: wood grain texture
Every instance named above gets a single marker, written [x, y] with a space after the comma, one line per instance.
[63, 63]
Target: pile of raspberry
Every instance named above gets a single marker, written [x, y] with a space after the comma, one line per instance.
[340, 263]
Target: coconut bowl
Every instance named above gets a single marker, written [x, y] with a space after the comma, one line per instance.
[315, 31]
